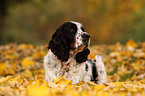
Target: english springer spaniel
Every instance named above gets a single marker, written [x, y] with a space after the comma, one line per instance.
[68, 55]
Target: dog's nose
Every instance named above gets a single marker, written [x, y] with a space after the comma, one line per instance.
[86, 35]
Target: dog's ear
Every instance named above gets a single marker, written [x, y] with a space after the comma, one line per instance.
[58, 45]
[82, 56]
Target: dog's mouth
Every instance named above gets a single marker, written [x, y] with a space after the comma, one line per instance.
[86, 43]
[86, 46]
[83, 46]
[80, 48]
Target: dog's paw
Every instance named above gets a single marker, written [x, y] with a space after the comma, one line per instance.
[100, 70]
[98, 58]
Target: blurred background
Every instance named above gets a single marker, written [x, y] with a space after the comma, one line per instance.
[107, 21]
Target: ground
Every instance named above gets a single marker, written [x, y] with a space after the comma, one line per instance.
[22, 72]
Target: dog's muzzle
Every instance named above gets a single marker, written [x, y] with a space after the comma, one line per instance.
[86, 38]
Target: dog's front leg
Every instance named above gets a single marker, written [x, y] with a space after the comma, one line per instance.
[76, 74]
[50, 74]
[100, 70]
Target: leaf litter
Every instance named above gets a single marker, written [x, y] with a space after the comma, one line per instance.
[22, 72]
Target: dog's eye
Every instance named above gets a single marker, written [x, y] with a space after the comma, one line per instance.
[73, 28]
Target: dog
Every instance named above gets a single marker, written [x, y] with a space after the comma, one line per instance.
[68, 55]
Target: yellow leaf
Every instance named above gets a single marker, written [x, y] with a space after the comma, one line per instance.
[16, 78]
[122, 70]
[131, 43]
[8, 56]
[13, 84]
[134, 77]
[5, 79]
[10, 71]
[91, 83]
[38, 54]
[24, 46]
[26, 62]
[38, 91]
[136, 66]
[59, 78]
[114, 54]
[22, 88]
[99, 87]
[27, 74]
[2, 67]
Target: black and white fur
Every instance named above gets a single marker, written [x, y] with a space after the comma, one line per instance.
[68, 54]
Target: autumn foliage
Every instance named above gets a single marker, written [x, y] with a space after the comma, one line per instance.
[34, 21]
[22, 72]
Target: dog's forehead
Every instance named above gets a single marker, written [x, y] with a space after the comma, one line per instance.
[79, 25]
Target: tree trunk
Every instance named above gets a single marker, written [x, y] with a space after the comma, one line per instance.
[3, 6]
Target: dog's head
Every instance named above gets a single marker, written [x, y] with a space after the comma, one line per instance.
[70, 36]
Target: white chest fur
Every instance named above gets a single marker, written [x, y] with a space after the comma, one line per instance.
[73, 71]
